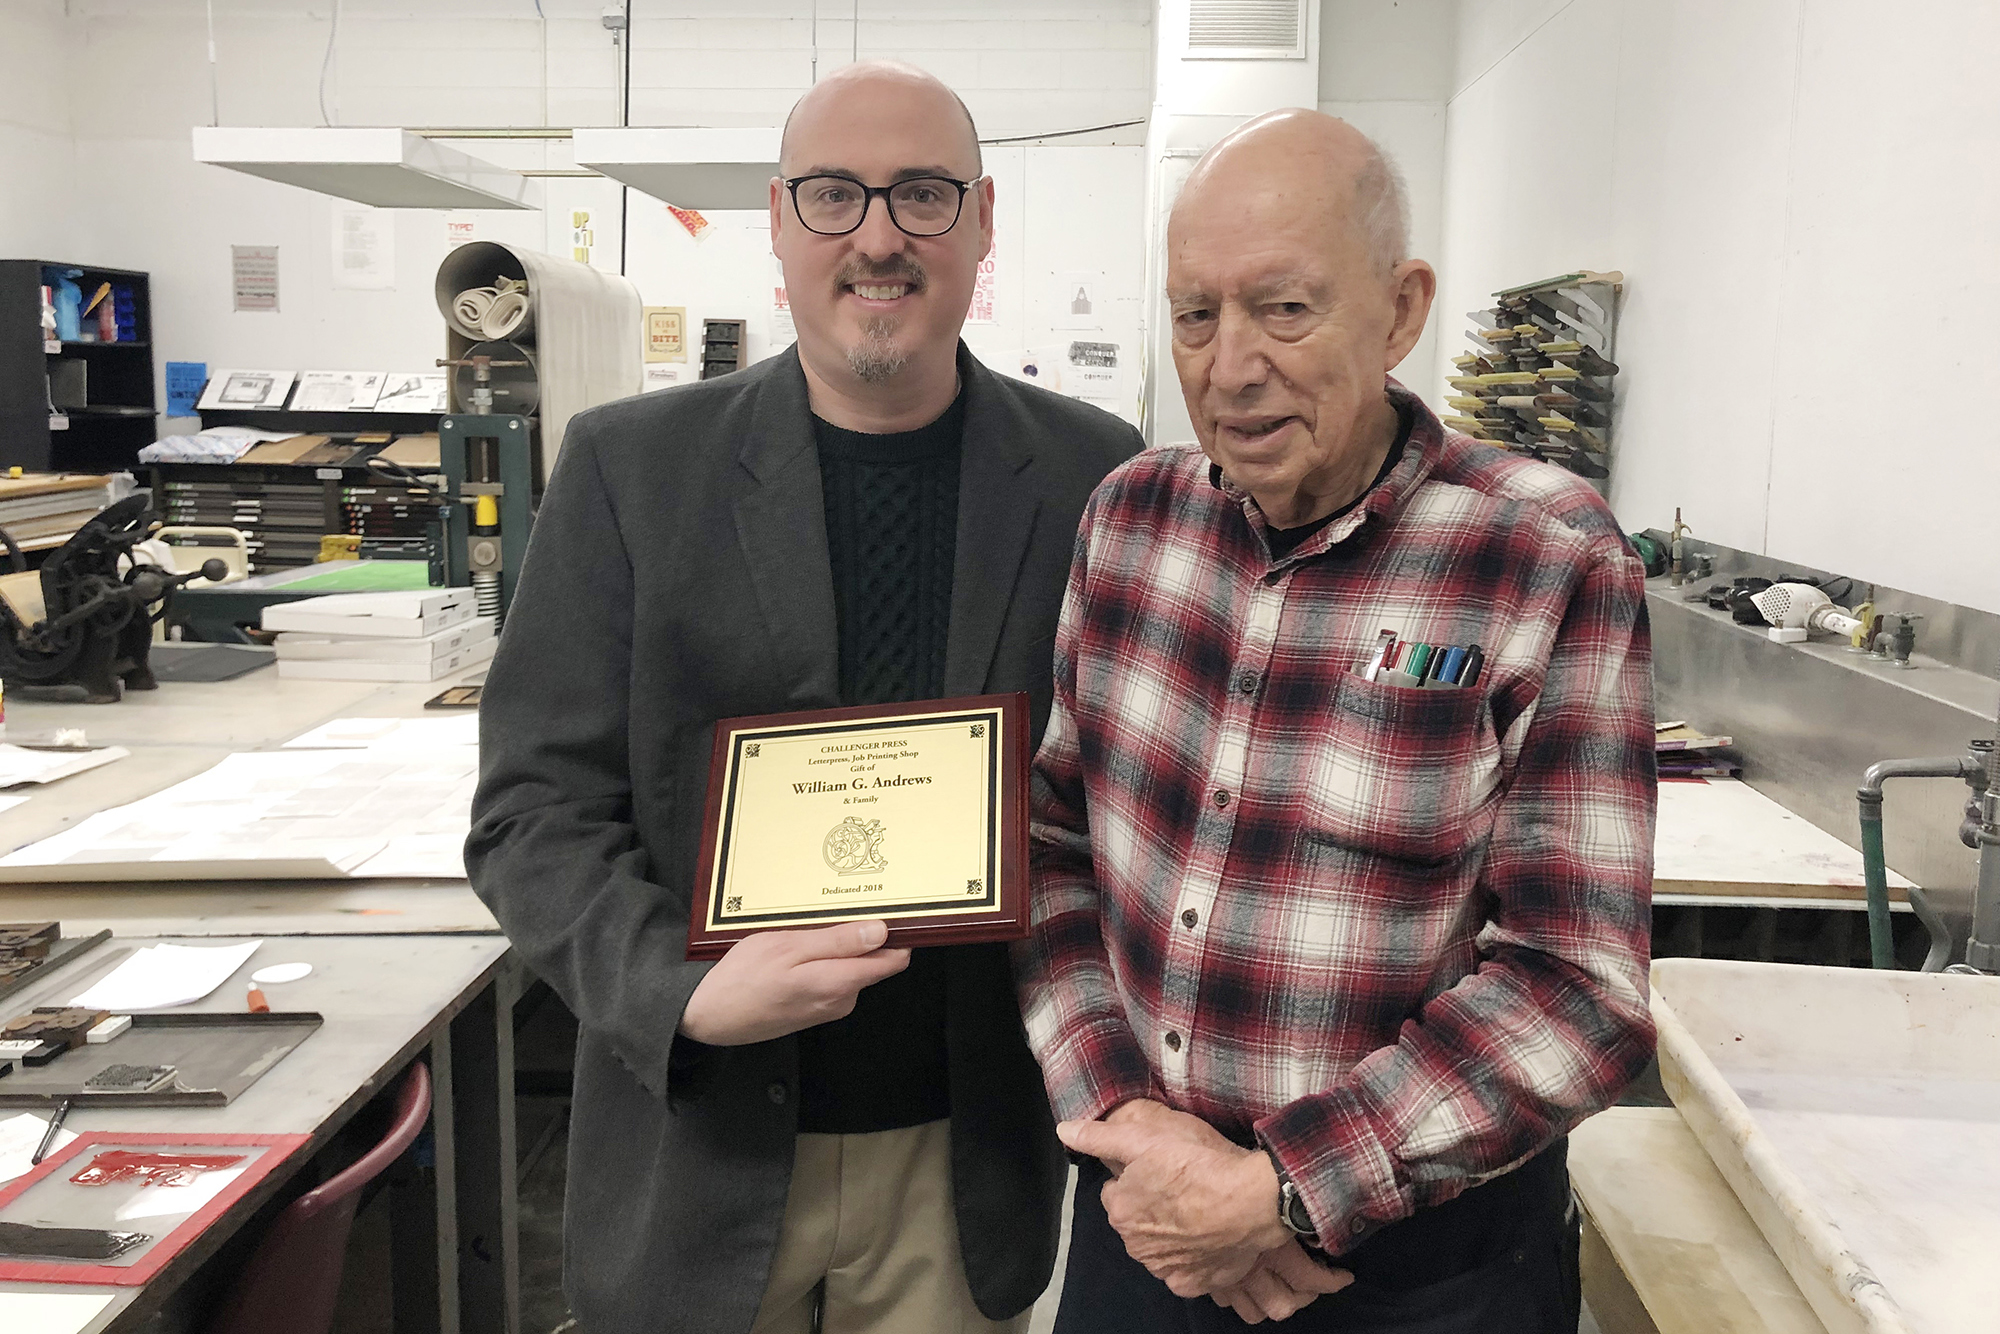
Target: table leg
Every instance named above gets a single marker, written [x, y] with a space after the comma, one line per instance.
[414, 1267]
[483, 1152]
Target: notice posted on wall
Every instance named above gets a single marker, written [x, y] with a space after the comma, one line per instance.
[1092, 370]
[364, 248]
[253, 274]
[784, 331]
[981, 309]
[184, 382]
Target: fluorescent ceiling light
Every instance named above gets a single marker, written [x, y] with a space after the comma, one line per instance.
[389, 168]
[694, 168]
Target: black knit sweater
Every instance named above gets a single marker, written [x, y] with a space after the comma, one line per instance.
[892, 535]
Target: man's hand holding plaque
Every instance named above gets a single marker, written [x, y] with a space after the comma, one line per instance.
[778, 982]
[909, 815]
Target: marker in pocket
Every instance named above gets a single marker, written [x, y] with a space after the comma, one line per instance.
[1432, 666]
[1384, 643]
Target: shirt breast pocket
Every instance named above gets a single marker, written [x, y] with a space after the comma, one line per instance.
[1405, 773]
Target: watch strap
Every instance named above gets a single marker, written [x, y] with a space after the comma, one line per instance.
[1292, 1206]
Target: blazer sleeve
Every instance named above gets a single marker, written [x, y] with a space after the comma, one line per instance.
[553, 850]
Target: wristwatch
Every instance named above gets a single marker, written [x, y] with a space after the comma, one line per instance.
[1292, 1208]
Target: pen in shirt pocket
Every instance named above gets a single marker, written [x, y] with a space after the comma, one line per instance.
[1433, 666]
[1385, 645]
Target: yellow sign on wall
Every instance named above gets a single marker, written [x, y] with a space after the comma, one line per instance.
[666, 333]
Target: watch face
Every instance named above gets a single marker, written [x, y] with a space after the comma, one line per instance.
[1296, 1216]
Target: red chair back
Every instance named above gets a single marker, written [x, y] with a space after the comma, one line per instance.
[293, 1278]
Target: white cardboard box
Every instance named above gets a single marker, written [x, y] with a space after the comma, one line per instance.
[363, 669]
[406, 615]
[295, 645]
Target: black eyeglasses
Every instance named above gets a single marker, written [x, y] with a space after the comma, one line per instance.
[837, 205]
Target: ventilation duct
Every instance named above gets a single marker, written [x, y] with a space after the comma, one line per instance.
[1246, 30]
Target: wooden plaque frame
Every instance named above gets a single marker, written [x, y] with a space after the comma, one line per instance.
[1007, 919]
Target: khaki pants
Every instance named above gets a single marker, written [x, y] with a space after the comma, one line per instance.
[871, 1215]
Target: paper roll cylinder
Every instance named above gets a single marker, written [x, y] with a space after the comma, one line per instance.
[508, 314]
[469, 310]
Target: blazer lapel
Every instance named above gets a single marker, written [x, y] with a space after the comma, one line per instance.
[996, 518]
[781, 527]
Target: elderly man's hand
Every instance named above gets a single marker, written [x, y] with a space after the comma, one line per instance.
[1156, 1118]
[1197, 1211]
[1281, 1284]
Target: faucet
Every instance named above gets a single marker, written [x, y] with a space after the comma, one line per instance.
[1979, 769]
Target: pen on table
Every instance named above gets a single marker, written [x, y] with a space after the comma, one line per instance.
[1475, 657]
[49, 1135]
[258, 1005]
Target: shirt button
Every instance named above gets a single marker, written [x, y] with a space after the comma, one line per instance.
[1247, 683]
[1358, 1226]
[777, 1094]
[1272, 577]
[1189, 918]
[1173, 1042]
[1221, 799]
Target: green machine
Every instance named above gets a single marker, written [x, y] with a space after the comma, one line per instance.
[485, 509]
[488, 503]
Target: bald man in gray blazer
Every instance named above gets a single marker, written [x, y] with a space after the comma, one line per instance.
[714, 551]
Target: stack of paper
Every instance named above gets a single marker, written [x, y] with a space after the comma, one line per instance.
[282, 815]
[22, 764]
[419, 635]
[43, 509]
[162, 975]
[20, 1136]
[418, 734]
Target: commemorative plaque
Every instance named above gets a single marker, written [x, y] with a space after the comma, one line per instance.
[914, 814]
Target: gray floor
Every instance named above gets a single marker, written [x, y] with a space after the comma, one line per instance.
[543, 1309]
[542, 1049]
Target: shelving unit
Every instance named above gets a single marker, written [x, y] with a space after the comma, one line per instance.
[721, 347]
[78, 405]
[1538, 377]
[285, 508]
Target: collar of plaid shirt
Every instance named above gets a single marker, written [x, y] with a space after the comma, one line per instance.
[1397, 936]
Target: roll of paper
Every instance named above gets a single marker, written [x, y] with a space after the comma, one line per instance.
[470, 308]
[507, 315]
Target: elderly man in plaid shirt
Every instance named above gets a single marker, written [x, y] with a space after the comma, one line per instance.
[1326, 964]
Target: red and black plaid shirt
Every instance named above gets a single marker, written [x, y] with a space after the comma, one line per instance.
[1397, 935]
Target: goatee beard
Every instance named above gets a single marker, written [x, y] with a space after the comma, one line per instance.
[877, 357]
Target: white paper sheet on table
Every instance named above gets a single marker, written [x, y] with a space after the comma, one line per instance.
[288, 814]
[20, 1136]
[390, 734]
[19, 764]
[51, 1312]
[159, 976]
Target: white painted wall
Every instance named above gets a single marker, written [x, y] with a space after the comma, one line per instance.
[1804, 196]
[36, 150]
[1386, 69]
[1196, 101]
[1385, 66]
[1021, 67]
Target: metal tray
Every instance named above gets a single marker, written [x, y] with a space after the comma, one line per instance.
[217, 1056]
[60, 953]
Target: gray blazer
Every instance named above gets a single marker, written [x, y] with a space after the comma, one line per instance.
[678, 574]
